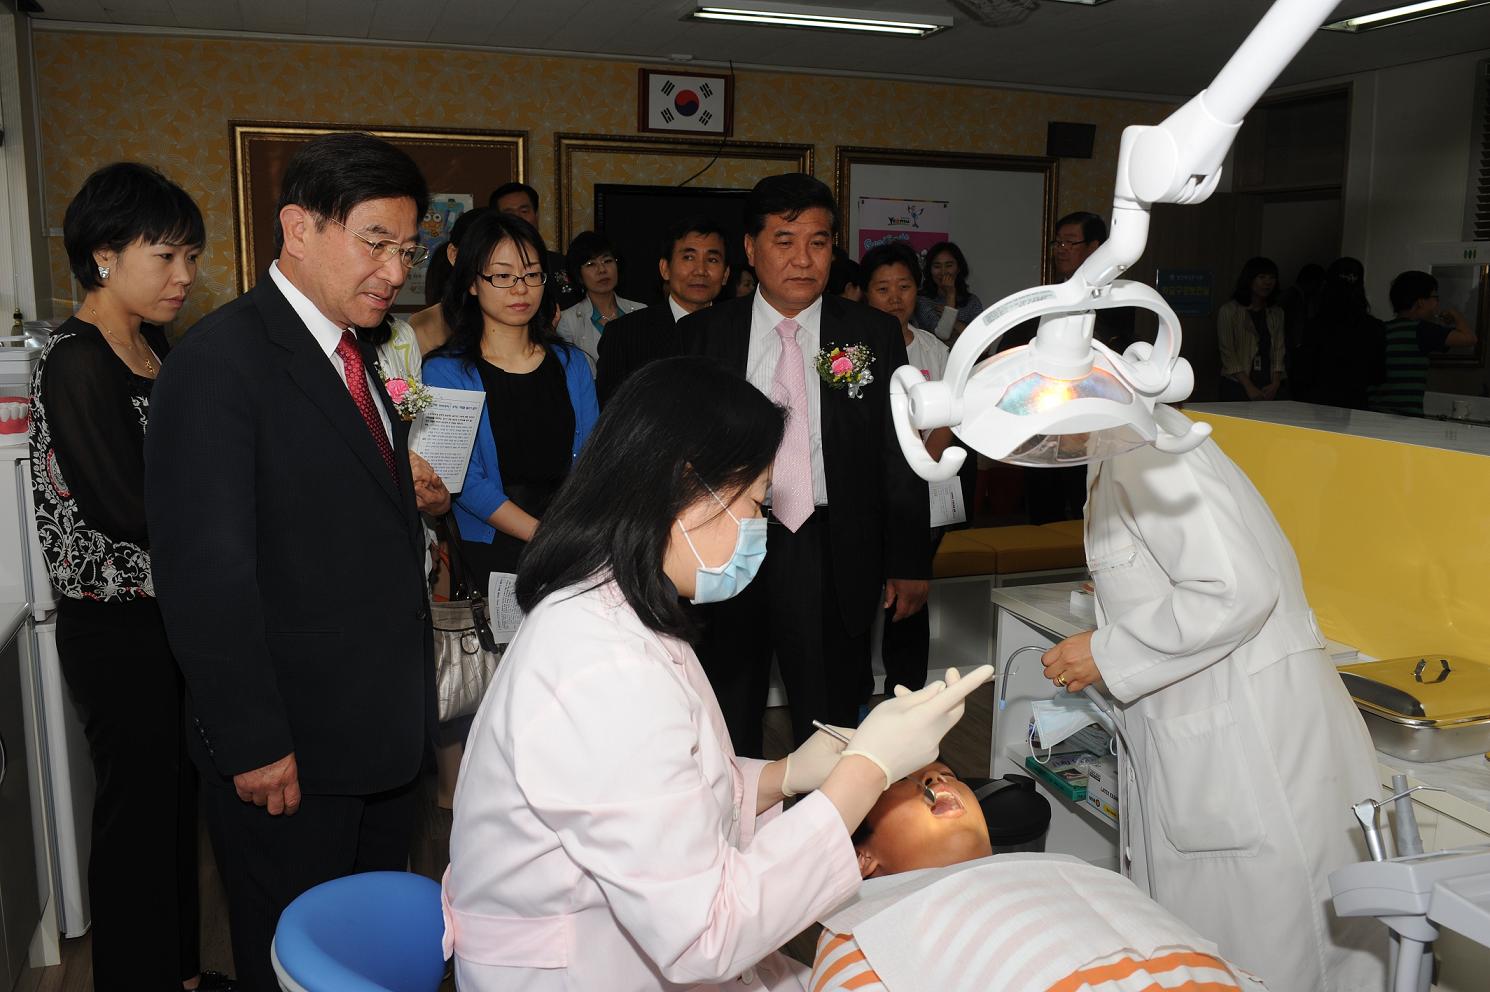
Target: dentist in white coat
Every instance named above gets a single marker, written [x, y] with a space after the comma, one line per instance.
[1248, 749]
[606, 836]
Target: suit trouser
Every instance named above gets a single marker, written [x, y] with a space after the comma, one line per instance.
[266, 861]
[790, 611]
[142, 870]
[905, 645]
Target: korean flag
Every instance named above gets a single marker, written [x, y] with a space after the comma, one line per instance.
[686, 103]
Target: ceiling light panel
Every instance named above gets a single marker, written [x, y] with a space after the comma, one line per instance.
[1403, 14]
[823, 18]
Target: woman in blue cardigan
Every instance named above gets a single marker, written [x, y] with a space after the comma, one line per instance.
[540, 399]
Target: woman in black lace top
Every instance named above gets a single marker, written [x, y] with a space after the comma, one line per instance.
[132, 240]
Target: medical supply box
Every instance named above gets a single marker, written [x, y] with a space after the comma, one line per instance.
[1101, 786]
[1427, 707]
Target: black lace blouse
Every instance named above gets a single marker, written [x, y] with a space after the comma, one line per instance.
[89, 412]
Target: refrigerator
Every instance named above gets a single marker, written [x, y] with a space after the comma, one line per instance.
[61, 774]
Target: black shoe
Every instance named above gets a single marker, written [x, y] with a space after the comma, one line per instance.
[216, 981]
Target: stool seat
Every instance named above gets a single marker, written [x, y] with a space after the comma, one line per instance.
[377, 931]
[1009, 550]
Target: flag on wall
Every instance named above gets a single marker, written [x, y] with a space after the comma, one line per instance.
[690, 104]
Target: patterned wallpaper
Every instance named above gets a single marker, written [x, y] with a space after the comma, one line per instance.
[167, 101]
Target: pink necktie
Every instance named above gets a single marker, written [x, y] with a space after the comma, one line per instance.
[791, 477]
[351, 360]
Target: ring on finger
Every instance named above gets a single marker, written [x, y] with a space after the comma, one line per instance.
[1061, 681]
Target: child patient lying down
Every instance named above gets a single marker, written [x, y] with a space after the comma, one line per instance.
[937, 912]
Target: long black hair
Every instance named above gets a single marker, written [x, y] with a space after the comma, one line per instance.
[673, 427]
[461, 309]
[1342, 299]
[930, 289]
[1253, 268]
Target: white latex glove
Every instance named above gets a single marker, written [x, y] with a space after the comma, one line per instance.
[905, 733]
[808, 765]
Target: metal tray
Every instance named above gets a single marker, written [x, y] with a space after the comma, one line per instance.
[1427, 708]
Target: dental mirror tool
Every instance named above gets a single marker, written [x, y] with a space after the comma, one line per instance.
[927, 793]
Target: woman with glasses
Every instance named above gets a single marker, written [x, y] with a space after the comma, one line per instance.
[591, 261]
[540, 397]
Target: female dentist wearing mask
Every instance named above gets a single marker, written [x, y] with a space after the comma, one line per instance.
[1249, 752]
[606, 836]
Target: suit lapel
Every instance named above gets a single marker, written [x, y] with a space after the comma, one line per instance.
[315, 376]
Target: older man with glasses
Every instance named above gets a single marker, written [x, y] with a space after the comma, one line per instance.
[285, 531]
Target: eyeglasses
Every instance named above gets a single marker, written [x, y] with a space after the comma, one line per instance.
[598, 261]
[506, 280]
[382, 251]
[1064, 245]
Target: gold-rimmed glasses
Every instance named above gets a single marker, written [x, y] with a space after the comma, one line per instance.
[382, 251]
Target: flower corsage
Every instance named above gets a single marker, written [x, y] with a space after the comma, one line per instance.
[410, 396]
[846, 368]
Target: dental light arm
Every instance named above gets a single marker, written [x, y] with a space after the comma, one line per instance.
[1019, 404]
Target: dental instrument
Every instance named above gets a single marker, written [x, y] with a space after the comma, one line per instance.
[927, 793]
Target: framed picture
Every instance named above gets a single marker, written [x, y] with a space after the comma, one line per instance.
[460, 167]
[998, 209]
[669, 102]
[1464, 286]
[586, 161]
[635, 219]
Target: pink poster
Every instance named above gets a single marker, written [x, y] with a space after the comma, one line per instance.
[921, 223]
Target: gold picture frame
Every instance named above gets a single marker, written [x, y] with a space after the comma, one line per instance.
[464, 161]
[847, 157]
[652, 161]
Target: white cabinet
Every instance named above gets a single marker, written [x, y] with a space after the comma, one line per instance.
[20, 909]
[1075, 828]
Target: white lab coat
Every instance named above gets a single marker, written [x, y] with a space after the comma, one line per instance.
[605, 834]
[1249, 750]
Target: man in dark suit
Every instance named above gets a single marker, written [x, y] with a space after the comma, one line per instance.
[694, 269]
[848, 518]
[288, 550]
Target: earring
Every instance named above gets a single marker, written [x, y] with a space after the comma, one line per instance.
[103, 272]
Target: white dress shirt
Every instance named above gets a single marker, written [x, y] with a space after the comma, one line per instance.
[678, 312]
[760, 369]
[328, 336]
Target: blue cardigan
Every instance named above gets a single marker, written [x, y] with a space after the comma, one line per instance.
[483, 492]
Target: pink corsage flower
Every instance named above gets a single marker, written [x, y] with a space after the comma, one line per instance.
[846, 368]
[410, 396]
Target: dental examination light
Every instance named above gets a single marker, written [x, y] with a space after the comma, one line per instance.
[1065, 399]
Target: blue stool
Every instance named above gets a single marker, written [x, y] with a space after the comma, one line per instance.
[375, 932]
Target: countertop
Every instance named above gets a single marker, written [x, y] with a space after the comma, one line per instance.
[1449, 435]
[1466, 781]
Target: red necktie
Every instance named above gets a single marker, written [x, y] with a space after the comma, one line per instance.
[351, 359]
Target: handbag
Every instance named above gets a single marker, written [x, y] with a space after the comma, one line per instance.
[466, 652]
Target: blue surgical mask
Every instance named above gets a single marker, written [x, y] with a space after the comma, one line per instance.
[720, 582]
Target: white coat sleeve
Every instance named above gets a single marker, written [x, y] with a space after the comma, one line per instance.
[608, 763]
[1220, 588]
